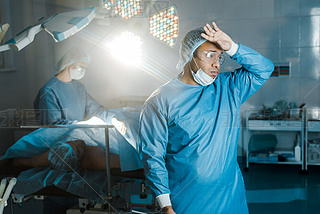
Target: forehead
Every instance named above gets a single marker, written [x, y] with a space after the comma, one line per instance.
[209, 46]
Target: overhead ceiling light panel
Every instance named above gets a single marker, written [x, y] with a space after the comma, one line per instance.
[128, 9]
[164, 25]
[107, 4]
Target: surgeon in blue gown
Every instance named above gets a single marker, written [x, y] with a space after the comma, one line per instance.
[64, 100]
[189, 127]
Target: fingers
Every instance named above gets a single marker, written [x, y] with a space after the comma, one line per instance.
[209, 31]
[215, 26]
[205, 36]
[209, 38]
[210, 28]
[123, 129]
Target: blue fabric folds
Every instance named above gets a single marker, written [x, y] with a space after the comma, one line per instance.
[189, 135]
[84, 183]
[62, 156]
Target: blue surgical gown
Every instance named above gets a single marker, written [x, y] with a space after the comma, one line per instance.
[189, 135]
[61, 102]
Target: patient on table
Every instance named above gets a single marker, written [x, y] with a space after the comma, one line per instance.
[44, 147]
[70, 156]
[33, 150]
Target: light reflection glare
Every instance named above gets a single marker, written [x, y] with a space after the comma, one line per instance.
[126, 48]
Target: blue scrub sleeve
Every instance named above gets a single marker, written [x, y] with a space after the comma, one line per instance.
[93, 108]
[255, 71]
[153, 138]
[50, 111]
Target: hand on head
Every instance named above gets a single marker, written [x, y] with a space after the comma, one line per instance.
[217, 36]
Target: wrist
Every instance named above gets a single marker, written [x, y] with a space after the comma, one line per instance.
[233, 50]
[164, 200]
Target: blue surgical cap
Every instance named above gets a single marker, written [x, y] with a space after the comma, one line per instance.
[62, 156]
[72, 56]
[191, 41]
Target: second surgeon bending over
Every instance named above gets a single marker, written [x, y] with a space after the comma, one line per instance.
[64, 100]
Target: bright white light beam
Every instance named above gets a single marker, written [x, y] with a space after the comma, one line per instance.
[126, 48]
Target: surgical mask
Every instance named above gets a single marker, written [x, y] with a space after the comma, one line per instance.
[201, 77]
[77, 73]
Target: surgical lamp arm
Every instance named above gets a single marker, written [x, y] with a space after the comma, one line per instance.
[59, 26]
[26, 37]
[22, 39]
[3, 30]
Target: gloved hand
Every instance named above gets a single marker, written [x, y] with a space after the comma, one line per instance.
[92, 121]
[119, 126]
[217, 36]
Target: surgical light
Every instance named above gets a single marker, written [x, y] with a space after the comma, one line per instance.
[164, 25]
[59, 26]
[107, 4]
[127, 48]
[128, 8]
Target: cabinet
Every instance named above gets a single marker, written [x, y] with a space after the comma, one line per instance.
[254, 125]
[312, 137]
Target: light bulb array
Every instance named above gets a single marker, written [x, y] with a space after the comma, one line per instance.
[107, 4]
[128, 8]
[164, 25]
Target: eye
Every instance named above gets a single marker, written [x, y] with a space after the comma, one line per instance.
[210, 54]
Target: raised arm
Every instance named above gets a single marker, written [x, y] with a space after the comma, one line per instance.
[255, 70]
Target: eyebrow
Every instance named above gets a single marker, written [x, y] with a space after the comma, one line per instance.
[214, 51]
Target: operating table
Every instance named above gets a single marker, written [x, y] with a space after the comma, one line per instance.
[120, 178]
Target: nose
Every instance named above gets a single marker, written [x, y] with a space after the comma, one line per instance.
[216, 64]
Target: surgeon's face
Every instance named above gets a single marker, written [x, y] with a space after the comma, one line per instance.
[207, 59]
[79, 148]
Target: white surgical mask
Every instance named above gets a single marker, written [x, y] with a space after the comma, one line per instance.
[77, 73]
[201, 77]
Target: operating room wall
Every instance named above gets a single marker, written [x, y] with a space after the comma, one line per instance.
[22, 70]
[282, 30]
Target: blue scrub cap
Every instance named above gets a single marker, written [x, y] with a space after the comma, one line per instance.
[191, 41]
[62, 156]
[72, 56]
